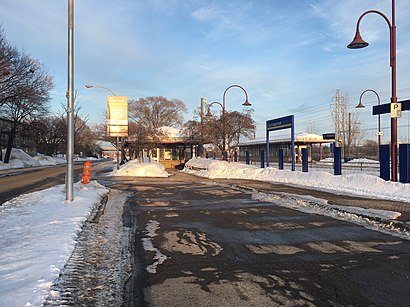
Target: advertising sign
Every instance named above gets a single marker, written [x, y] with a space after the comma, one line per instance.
[117, 116]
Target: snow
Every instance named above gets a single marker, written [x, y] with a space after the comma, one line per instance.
[18, 158]
[48, 161]
[151, 228]
[134, 168]
[171, 132]
[39, 232]
[353, 184]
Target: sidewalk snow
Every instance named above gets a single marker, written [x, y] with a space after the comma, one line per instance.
[356, 184]
[39, 232]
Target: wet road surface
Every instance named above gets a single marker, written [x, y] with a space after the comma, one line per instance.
[196, 243]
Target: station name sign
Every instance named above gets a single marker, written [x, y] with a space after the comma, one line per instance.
[279, 123]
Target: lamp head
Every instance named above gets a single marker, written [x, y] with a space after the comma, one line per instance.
[358, 42]
[88, 86]
[246, 103]
[208, 114]
[360, 105]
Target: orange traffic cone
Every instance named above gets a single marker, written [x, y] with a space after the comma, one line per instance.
[86, 172]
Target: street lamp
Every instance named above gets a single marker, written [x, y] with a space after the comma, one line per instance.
[118, 138]
[97, 86]
[360, 106]
[357, 43]
[245, 104]
[208, 113]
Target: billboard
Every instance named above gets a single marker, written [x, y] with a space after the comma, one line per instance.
[117, 116]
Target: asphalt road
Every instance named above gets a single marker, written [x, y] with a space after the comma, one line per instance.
[212, 245]
[20, 181]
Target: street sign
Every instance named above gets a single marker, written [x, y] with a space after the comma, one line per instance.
[395, 110]
[279, 123]
[329, 136]
[117, 116]
[385, 108]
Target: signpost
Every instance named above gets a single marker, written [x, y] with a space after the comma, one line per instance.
[278, 124]
[117, 119]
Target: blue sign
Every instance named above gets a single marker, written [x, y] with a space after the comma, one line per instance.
[385, 108]
[279, 123]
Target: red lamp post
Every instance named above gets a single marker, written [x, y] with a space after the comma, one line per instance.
[208, 113]
[360, 105]
[357, 43]
[245, 104]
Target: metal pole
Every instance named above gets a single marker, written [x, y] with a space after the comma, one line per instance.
[70, 107]
[223, 110]
[118, 152]
[393, 148]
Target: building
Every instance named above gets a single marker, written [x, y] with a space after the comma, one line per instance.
[24, 140]
[313, 142]
[170, 149]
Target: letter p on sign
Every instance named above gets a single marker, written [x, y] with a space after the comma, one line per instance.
[395, 110]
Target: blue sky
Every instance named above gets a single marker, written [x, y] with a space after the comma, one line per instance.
[290, 56]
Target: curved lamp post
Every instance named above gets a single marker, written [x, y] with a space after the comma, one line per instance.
[357, 43]
[118, 138]
[245, 104]
[97, 86]
[360, 106]
[208, 113]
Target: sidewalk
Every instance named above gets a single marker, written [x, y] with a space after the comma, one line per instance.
[402, 222]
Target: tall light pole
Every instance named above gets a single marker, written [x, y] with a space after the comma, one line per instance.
[118, 138]
[360, 105]
[357, 43]
[70, 106]
[209, 114]
[245, 104]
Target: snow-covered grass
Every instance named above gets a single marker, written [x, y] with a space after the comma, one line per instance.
[39, 232]
[355, 183]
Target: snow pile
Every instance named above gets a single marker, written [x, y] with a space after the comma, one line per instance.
[18, 158]
[47, 160]
[134, 168]
[363, 161]
[39, 232]
[358, 184]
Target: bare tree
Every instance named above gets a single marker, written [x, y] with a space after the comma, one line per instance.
[155, 112]
[8, 78]
[347, 125]
[29, 98]
[51, 134]
[232, 126]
